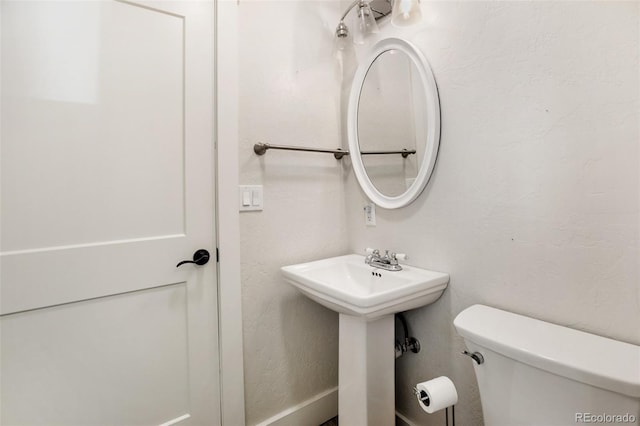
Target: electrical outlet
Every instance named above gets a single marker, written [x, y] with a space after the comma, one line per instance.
[370, 214]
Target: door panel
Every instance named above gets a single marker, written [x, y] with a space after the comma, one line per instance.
[46, 277]
[106, 161]
[129, 103]
[144, 336]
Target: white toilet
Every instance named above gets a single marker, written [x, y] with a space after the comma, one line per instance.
[533, 373]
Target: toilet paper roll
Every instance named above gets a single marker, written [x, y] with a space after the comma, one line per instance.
[440, 393]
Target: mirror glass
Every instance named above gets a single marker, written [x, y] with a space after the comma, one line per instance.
[391, 118]
[394, 123]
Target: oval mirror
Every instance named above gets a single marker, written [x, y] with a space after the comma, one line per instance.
[393, 123]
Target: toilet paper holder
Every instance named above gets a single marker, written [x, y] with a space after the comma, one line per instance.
[422, 396]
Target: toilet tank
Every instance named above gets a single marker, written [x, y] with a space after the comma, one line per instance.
[540, 374]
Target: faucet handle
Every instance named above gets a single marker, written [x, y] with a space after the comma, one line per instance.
[388, 254]
[372, 254]
[394, 257]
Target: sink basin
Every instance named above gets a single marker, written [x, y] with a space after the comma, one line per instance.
[349, 286]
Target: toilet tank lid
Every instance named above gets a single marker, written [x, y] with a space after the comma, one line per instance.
[584, 357]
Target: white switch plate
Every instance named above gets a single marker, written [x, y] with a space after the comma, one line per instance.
[370, 214]
[250, 198]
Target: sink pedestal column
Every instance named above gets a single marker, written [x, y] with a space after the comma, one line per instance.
[366, 371]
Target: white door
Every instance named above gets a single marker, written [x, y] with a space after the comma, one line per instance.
[106, 184]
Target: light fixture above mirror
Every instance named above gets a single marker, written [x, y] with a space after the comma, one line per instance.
[404, 13]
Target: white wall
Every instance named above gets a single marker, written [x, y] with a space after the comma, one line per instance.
[289, 94]
[534, 204]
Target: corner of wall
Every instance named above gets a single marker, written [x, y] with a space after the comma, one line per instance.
[229, 297]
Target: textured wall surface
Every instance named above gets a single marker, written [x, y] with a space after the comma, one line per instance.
[534, 204]
[533, 207]
[289, 94]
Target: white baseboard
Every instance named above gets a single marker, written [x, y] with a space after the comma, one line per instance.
[315, 411]
[312, 412]
[403, 421]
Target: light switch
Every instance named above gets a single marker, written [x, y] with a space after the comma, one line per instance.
[250, 197]
[256, 197]
[246, 198]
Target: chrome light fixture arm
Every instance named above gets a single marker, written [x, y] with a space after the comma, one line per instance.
[365, 14]
[342, 30]
[403, 12]
[351, 6]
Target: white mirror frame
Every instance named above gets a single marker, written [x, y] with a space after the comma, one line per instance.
[432, 117]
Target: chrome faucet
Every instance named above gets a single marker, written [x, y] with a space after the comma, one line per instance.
[373, 254]
[388, 262]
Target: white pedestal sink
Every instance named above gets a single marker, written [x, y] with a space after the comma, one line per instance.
[366, 299]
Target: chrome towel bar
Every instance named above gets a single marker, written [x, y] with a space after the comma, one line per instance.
[261, 149]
